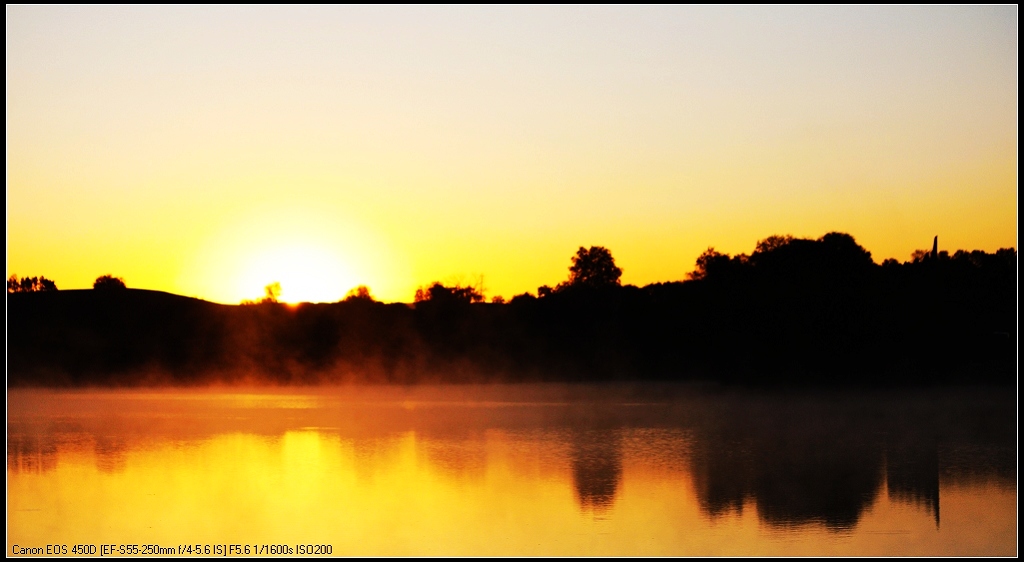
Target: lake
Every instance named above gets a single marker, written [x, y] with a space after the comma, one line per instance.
[514, 470]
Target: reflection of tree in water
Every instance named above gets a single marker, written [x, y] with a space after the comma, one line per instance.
[912, 475]
[806, 459]
[797, 472]
[830, 480]
[30, 453]
[596, 468]
[827, 482]
[723, 473]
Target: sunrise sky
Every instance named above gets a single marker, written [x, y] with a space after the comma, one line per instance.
[211, 151]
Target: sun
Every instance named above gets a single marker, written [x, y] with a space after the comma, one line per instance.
[314, 255]
[306, 272]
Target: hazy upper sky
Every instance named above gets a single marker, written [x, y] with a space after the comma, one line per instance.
[209, 151]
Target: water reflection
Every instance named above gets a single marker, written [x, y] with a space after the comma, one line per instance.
[596, 468]
[30, 453]
[800, 461]
[912, 475]
[518, 461]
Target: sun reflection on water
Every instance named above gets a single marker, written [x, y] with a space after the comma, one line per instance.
[371, 476]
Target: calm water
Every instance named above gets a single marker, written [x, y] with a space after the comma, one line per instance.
[524, 470]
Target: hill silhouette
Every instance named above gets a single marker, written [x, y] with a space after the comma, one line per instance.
[794, 311]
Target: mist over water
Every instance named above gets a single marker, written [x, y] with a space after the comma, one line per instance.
[610, 469]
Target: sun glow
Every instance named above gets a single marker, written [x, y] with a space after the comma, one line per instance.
[306, 273]
[315, 254]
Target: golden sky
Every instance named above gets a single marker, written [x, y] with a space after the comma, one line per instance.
[209, 151]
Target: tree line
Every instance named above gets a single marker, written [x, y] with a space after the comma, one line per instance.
[29, 284]
[793, 311]
[42, 284]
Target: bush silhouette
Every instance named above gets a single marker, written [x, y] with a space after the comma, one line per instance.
[108, 283]
[360, 293]
[441, 294]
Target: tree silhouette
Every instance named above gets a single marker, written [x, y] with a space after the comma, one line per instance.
[360, 293]
[713, 264]
[594, 267]
[29, 284]
[772, 243]
[442, 294]
[272, 291]
[834, 255]
[108, 282]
